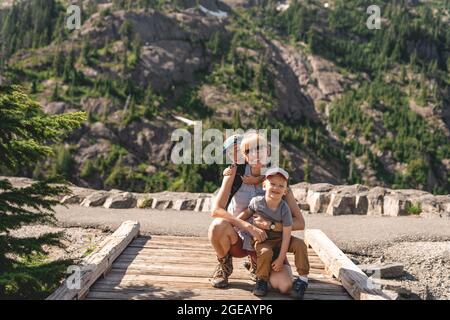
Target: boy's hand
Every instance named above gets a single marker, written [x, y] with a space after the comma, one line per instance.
[248, 179]
[261, 223]
[277, 265]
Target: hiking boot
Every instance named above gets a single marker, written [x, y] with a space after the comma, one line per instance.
[298, 288]
[260, 288]
[223, 270]
[251, 266]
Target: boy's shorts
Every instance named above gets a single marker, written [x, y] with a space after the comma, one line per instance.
[237, 251]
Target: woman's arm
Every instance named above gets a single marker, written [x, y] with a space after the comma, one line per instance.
[258, 234]
[245, 215]
[225, 189]
[298, 222]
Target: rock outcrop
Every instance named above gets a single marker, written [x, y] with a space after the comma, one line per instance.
[378, 201]
[320, 198]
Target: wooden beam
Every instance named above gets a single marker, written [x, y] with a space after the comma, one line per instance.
[98, 262]
[356, 282]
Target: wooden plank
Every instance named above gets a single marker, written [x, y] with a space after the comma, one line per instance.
[210, 263]
[235, 276]
[199, 257]
[241, 289]
[195, 294]
[194, 267]
[118, 278]
[130, 274]
[176, 271]
[176, 251]
[98, 262]
[353, 279]
[120, 284]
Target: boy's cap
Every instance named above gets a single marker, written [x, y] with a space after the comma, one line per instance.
[231, 141]
[277, 170]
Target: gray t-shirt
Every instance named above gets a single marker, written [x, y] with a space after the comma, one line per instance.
[281, 214]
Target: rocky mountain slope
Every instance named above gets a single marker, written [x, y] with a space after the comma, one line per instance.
[133, 65]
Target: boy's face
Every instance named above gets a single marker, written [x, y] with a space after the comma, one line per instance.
[275, 186]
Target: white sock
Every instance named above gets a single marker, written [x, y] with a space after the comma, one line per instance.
[304, 278]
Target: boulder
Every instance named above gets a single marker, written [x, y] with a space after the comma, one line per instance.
[184, 204]
[318, 197]
[120, 201]
[96, 199]
[375, 199]
[304, 206]
[395, 204]
[71, 199]
[429, 205]
[348, 200]
[361, 204]
[207, 205]
[161, 204]
[300, 191]
[199, 204]
[351, 189]
[341, 204]
[444, 203]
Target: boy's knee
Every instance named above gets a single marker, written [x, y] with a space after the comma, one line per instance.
[298, 245]
[285, 288]
[264, 253]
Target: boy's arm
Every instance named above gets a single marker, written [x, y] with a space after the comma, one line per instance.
[285, 242]
[252, 180]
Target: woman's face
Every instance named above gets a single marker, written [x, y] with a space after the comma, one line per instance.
[256, 154]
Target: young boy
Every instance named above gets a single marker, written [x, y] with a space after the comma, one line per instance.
[272, 207]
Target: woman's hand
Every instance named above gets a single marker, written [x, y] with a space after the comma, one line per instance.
[229, 171]
[257, 234]
[277, 265]
[248, 179]
[261, 223]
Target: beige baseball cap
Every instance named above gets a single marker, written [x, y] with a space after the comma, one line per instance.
[277, 170]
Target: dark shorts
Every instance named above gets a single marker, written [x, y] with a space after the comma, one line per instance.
[237, 251]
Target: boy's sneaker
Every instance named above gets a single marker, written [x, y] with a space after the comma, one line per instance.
[223, 270]
[251, 266]
[260, 288]
[298, 288]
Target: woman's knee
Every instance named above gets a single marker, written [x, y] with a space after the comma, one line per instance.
[218, 228]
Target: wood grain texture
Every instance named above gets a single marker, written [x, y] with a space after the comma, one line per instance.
[171, 267]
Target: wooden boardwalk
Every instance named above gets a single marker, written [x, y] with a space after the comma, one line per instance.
[127, 266]
[172, 267]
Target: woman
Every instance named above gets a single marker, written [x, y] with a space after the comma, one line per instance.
[223, 232]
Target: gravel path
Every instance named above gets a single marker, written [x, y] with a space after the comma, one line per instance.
[76, 242]
[351, 233]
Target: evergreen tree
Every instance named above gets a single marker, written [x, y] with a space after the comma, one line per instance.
[59, 63]
[236, 121]
[55, 94]
[25, 134]
[34, 87]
